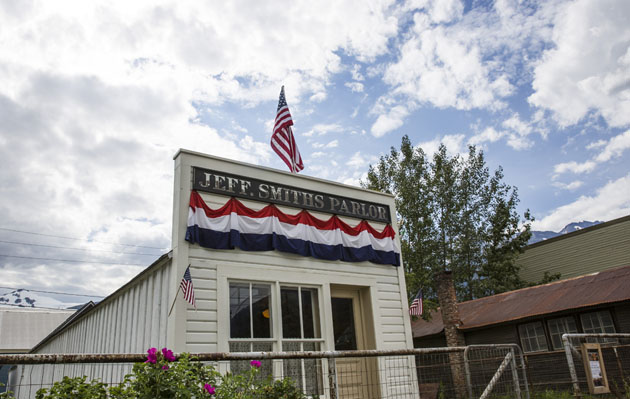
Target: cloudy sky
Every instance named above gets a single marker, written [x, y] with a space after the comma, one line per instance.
[96, 98]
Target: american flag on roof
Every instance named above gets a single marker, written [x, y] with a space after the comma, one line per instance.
[282, 140]
[187, 288]
[415, 309]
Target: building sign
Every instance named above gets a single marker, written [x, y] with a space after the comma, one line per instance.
[594, 368]
[245, 187]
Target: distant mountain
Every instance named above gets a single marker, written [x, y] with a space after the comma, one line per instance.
[29, 299]
[569, 228]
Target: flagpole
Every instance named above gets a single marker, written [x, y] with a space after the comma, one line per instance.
[173, 305]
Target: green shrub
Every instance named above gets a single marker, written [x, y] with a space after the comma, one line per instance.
[74, 388]
[163, 376]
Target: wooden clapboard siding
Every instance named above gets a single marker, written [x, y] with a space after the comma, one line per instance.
[390, 314]
[590, 250]
[206, 329]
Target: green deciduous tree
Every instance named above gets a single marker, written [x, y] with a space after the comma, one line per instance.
[453, 215]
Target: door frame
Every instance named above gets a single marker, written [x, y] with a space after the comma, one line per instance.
[364, 328]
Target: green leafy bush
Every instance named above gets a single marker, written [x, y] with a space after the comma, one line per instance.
[74, 388]
[164, 376]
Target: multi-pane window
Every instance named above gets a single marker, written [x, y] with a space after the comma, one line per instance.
[560, 326]
[597, 322]
[252, 323]
[533, 337]
[301, 332]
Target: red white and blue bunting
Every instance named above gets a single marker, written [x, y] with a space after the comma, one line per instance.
[236, 226]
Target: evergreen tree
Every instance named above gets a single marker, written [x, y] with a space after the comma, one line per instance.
[453, 215]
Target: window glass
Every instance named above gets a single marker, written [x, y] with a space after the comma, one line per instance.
[261, 310]
[597, 322]
[310, 314]
[239, 311]
[343, 324]
[533, 337]
[296, 301]
[290, 312]
[560, 326]
[251, 326]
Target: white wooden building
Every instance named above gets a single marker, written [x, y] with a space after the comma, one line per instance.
[282, 293]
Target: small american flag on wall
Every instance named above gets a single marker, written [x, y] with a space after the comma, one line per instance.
[415, 309]
[282, 140]
[187, 288]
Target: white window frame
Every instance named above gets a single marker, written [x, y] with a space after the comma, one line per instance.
[601, 328]
[318, 340]
[275, 310]
[558, 326]
[524, 333]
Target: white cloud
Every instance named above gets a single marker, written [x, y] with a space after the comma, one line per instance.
[318, 97]
[330, 144]
[454, 144]
[476, 63]
[489, 134]
[596, 144]
[356, 87]
[514, 130]
[574, 167]
[98, 96]
[609, 202]
[357, 161]
[442, 67]
[574, 185]
[613, 148]
[587, 68]
[446, 10]
[392, 120]
[322, 129]
[356, 72]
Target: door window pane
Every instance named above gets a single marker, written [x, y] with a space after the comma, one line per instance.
[343, 324]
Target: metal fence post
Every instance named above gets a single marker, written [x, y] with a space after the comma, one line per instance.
[332, 378]
[523, 366]
[574, 377]
[517, 386]
[468, 377]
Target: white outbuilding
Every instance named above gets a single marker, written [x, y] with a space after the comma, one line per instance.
[279, 262]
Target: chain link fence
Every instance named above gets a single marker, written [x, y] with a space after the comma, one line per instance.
[490, 370]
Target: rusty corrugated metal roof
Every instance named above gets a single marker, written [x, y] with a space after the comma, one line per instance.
[593, 289]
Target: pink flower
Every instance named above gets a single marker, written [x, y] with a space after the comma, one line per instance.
[168, 354]
[165, 367]
[209, 388]
[255, 363]
[152, 355]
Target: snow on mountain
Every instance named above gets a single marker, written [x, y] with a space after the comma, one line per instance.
[569, 228]
[26, 298]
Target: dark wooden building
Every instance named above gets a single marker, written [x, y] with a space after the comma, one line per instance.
[535, 318]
